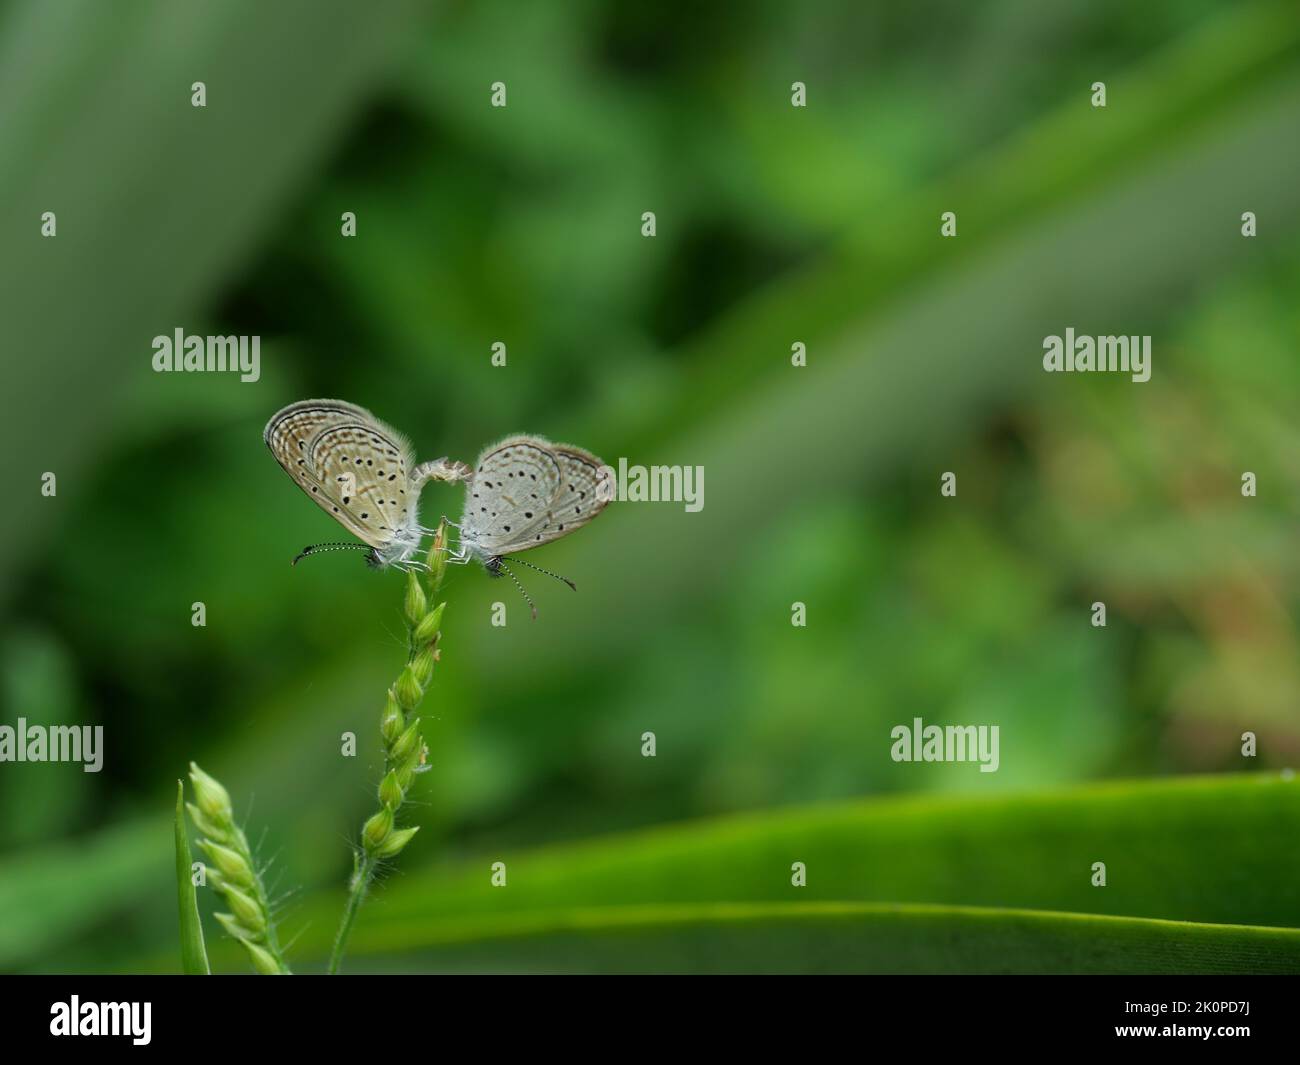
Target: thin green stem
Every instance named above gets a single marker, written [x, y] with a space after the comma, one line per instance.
[356, 896]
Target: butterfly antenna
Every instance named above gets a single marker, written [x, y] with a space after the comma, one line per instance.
[316, 549]
[528, 598]
[546, 571]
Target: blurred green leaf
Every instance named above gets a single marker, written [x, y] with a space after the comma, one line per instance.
[837, 937]
[1208, 850]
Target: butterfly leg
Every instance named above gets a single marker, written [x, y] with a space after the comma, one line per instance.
[426, 531]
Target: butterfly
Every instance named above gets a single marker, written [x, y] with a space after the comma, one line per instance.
[359, 471]
[524, 492]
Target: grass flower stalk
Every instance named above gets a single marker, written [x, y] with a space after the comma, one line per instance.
[405, 753]
[232, 872]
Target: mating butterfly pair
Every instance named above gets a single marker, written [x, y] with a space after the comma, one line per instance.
[521, 493]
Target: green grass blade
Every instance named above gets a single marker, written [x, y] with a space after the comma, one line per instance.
[194, 958]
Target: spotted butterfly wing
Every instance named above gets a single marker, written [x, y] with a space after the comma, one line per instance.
[507, 494]
[585, 488]
[351, 464]
[526, 491]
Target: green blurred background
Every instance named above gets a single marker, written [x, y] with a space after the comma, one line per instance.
[522, 225]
